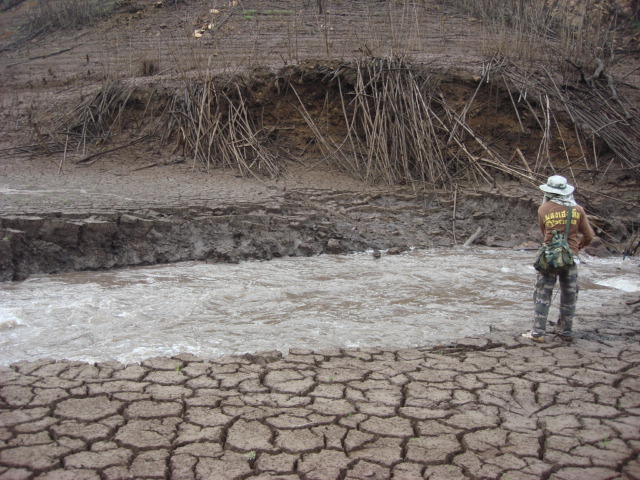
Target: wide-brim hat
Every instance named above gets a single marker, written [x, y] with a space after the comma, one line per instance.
[557, 184]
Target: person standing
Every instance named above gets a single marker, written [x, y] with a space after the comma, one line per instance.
[552, 215]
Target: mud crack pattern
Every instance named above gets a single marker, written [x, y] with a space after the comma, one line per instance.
[493, 407]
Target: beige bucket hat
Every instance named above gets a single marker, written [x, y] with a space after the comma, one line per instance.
[557, 184]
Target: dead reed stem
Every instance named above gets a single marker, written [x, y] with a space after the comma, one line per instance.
[592, 108]
[401, 130]
[216, 127]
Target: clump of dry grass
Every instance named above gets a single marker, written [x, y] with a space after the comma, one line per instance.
[149, 67]
[597, 110]
[401, 129]
[543, 31]
[89, 129]
[213, 123]
[216, 128]
[92, 122]
[393, 135]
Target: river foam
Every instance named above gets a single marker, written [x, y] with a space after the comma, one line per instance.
[330, 301]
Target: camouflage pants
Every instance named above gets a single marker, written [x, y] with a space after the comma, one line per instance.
[543, 295]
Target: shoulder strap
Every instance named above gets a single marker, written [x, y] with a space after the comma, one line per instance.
[566, 230]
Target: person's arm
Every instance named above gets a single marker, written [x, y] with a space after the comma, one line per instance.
[585, 229]
[543, 228]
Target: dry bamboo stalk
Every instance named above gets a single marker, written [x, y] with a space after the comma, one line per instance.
[64, 156]
[593, 110]
[205, 89]
[524, 161]
[40, 137]
[455, 203]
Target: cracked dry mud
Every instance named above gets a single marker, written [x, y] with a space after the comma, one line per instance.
[482, 408]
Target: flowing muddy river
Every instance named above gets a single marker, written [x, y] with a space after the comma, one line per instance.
[418, 298]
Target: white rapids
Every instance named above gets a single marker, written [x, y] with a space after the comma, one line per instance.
[419, 298]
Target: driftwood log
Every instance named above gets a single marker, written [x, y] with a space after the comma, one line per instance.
[473, 237]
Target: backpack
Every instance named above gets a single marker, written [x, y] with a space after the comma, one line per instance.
[556, 256]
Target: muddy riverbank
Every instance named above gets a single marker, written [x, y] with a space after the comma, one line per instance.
[118, 214]
[288, 224]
